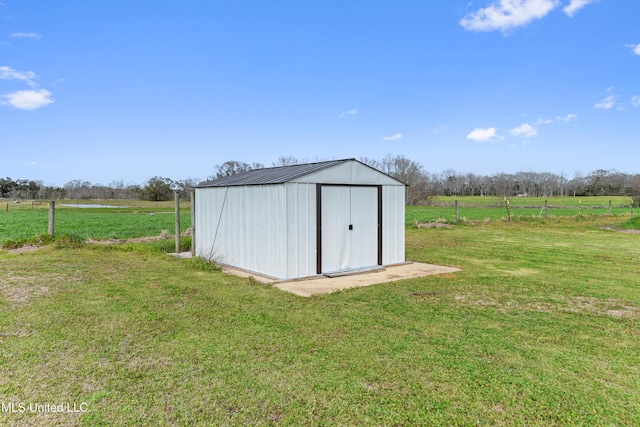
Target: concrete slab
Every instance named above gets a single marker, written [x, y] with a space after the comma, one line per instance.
[323, 284]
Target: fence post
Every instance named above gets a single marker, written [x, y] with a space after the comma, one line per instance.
[193, 223]
[177, 198]
[609, 207]
[456, 211]
[506, 203]
[546, 209]
[52, 215]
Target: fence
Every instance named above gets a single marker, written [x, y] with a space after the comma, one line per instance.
[474, 209]
[27, 220]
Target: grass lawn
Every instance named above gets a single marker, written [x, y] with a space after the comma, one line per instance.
[541, 327]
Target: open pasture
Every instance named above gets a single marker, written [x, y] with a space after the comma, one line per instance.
[476, 208]
[139, 218]
[541, 327]
[135, 218]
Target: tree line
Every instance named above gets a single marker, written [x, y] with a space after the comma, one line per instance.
[422, 185]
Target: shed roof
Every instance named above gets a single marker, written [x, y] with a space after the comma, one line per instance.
[275, 175]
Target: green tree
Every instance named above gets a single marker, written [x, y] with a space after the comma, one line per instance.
[158, 188]
[7, 185]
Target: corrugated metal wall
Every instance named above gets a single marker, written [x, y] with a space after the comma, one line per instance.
[301, 230]
[269, 229]
[393, 217]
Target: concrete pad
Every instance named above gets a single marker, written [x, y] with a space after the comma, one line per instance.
[324, 285]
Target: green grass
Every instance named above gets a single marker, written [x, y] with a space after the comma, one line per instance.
[539, 328]
[521, 208]
[21, 222]
[631, 224]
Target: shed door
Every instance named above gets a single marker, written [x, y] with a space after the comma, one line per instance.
[349, 227]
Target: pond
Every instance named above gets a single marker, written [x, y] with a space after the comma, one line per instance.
[89, 205]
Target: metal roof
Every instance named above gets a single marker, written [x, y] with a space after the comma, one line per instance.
[277, 175]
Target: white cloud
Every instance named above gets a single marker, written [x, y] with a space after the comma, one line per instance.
[506, 14]
[635, 101]
[28, 99]
[441, 128]
[26, 36]
[635, 48]
[8, 73]
[395, 137]
[351, 113]
[30, 163]
[24, 99]
[525, 130]
[575, 5]
[567, 118]
[606, 104]
[482, 135]
[558, 119]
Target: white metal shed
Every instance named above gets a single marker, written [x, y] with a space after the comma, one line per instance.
[304, 220]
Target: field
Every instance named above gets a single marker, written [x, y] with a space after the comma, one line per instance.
[541, 327]
[520, 208]
[135, 218]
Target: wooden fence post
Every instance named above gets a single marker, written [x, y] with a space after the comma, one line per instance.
[506, 202]
[609, 207]
[456, 211]
[546, 209]
[177, 197]
[52, 216]
[193, 223]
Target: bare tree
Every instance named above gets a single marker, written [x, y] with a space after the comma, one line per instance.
[232, 167]
[287, 161]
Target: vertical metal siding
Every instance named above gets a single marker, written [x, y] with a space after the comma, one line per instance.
[301, 230]
[336, 239]
[251, 226]
[349, 227]
[393, 228]
[364, 217]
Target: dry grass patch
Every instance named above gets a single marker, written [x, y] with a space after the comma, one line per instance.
[19, 289]
[610, 307]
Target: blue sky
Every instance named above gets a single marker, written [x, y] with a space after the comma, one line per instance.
[127, 90]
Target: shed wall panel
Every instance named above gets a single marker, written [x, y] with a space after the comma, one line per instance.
[393, 228]
[243, 226]
[301, 230]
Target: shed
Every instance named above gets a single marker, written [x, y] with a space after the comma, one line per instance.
[303, 220]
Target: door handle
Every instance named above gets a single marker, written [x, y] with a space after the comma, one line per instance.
[350, 226]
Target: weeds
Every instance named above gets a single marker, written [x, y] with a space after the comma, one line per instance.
[203, 264]
[68, 241]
